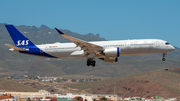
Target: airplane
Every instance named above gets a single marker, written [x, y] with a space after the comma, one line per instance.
[108, 51]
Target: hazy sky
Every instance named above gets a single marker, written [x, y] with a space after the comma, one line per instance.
[112, 19]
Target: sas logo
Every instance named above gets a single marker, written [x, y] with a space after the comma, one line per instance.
[22, 42]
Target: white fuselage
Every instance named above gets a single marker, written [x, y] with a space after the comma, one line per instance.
[108, 51]
[127, 47]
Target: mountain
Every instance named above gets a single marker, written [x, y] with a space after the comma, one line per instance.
[43, 27]
[147, 84]
[32, 65]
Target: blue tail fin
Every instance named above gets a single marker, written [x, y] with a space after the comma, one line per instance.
[19, 39]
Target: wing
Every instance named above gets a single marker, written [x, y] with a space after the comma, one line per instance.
[90, 49]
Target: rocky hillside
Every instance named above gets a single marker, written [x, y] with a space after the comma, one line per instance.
[160, 82]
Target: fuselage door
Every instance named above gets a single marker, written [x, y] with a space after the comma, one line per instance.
[157, 44]
[127, 44]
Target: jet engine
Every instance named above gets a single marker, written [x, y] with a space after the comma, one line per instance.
[112, 52]
[111, 55]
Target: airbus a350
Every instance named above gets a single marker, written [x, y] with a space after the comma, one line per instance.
[108, 51]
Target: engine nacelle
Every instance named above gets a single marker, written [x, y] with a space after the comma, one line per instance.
[112, 52]
[110, 59]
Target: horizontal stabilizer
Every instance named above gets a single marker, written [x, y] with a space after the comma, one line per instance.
[16, 48]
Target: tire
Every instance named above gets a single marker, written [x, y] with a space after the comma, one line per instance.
[163, 59]
[93, 63]
[88, 63]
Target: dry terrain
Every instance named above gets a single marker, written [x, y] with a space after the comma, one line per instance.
[161, 82]
[12, 85]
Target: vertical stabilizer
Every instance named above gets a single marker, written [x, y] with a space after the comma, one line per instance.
[19, 39]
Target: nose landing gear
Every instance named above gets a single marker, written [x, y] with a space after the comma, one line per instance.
[91, 62]
[163, 59]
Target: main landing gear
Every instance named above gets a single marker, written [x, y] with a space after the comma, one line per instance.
[163, 59]
[91, 62]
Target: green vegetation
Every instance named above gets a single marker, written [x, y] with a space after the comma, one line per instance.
[103, 99]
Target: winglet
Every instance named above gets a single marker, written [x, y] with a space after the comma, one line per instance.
[59, 31]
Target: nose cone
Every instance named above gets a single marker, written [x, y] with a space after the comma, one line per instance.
[172, 48]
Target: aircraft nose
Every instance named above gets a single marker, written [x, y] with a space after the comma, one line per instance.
[172, 48]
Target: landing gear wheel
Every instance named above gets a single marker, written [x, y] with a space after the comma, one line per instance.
[88, 63]
[163, 59]
[91, 62]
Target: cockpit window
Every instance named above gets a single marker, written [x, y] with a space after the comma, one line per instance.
[167, 43]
